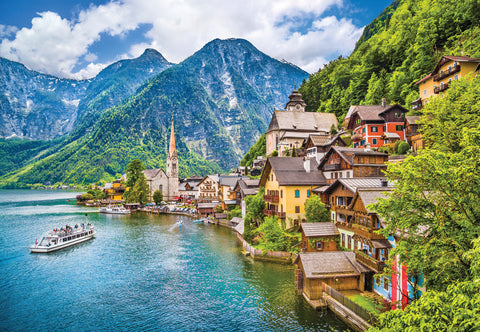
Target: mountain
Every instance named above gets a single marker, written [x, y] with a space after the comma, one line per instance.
[39, 106]
[398, 48]
[221, 99]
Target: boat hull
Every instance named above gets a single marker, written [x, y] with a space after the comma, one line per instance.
[43, 249]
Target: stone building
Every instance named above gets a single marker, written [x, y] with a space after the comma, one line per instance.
[167, 182]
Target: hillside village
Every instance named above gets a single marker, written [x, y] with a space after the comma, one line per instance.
[308, 156]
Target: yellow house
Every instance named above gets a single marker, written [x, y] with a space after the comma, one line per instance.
[115, 190]
[288, 183]
[447, 69]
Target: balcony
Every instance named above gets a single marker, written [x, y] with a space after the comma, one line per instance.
[272, 213]
[366, 232]
[448, 72]
[371, 262]
[440, 88]
[417, 104]
[357, 137]
[332, 167]
[271, 198]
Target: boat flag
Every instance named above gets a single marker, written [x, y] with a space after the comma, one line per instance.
[36, 241]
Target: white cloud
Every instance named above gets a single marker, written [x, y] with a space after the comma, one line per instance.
[56, 45]
[7, 30]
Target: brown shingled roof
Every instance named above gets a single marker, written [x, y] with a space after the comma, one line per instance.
[319, 229]
[348, 154]
[320, 265]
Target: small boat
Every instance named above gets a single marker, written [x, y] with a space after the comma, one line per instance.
[62, 238]
[198, 221]
[114, 209]
[180, 223]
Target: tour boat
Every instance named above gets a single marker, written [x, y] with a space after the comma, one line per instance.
[62, 238]
[114, 209]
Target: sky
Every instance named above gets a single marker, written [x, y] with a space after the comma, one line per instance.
[78, 38]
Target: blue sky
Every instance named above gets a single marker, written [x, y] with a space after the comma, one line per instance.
[77, 39]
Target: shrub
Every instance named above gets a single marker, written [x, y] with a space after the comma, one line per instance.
[403, 147]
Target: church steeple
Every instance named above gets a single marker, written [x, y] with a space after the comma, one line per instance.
[172, 158]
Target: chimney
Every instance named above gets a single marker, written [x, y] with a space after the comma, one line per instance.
[306, 164]
[384, 102]
[384, 183]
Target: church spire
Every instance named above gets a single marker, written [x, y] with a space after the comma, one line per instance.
[172, 150]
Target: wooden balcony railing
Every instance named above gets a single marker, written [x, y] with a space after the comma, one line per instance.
[448, 72]
[371, 262]
[271, 198]
[332, 167]
[439, 89]
[271, 213]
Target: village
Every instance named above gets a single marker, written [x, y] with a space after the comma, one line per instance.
[312, 154]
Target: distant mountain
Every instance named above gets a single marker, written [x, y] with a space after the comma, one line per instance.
[39, 106]
[221, 100]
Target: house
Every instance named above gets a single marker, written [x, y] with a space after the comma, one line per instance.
[243, 189]
[317, 145]
[115, 190]
[227, 185]
[288, 183]
[209, 187]
[338, 269]
[376, 125]
[319, 236]
[447, 69]
[188, 188]
[414, 137]
[289, 128]
[342, 162]
[340, 195]
[206, 209]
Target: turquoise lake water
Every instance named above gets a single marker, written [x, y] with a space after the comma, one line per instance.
[140, 273]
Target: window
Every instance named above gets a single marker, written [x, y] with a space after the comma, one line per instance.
[281, 193]
[319, 245]
[297, 193]
[456, 77]
[396, 115]
[374, 141]
[441, 86]
[425, 92]
[343, 240]
[297, 209]
[374, 129]
[348, 174]
[363, 130]
[399, 127]
[308, 193]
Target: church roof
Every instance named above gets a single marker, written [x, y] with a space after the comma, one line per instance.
[153, 173]
[302, 121]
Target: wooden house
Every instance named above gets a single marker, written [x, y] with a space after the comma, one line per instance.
[414, 137]
[209, 187]
[342, 162]
[115, 190]
[319, 236]
[338, 269]
[317, 145]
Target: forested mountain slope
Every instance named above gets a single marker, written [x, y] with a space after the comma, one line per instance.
[400, 47]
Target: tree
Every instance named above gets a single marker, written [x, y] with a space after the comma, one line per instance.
[157, 197]
[255, 207]
[134, 169]
[140, 191]
[455, 309]
[315, 210]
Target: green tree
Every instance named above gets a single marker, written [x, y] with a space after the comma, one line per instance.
[140, 191]
[256, 207]
[157, 197]
[455, 309]
[134, 170]
[315, 210]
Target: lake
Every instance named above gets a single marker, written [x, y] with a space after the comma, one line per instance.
[140, 272]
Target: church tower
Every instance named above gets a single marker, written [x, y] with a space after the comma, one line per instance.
[172, 167]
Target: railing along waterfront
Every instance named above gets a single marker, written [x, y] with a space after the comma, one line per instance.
[362, 312]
